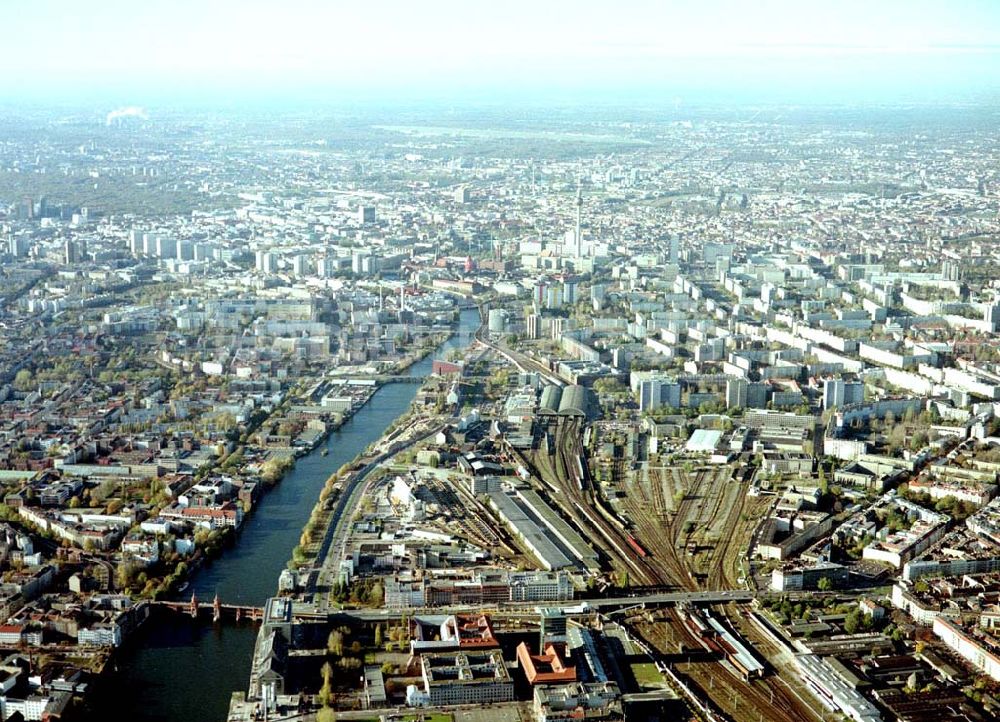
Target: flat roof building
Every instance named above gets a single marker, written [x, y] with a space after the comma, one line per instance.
[462, 678]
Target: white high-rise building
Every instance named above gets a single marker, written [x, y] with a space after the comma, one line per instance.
[166, 247]
[18, 246]
[533, 325]
[992, 316]
[323, 267]
[364, 262]
[300, 265]
[837, 393]
[71, 253]
[569, 292]
[266, 262]
[185, 251]
[833, 393]
[650, 395]
[736, 393]
[950, 270]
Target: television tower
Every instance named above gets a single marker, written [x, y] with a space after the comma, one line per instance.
[579, 212]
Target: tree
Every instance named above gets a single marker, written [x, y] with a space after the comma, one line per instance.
[274, 469]
[125, 574]
[335, 643]
[105, 489]
[24, 380]
[326, 691]
[378, 635]
[825, 584]
[853, 622]
[376, 595]
[327, 714]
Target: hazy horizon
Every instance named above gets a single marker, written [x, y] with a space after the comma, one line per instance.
[306, 51]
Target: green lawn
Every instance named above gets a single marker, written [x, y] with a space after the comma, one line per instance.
[646, 674]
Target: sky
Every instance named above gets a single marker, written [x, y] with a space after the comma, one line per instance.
[140, 51]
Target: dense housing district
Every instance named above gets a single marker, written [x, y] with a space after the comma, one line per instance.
[716, 434]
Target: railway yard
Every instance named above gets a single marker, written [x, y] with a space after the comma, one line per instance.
[712, 675]
[563, 472]
[670, 526]
[685, 527]
[680, 526]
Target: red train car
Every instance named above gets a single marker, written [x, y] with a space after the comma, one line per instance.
[636, 546]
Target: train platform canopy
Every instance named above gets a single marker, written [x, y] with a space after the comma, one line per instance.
[576, 401]
[704, 441]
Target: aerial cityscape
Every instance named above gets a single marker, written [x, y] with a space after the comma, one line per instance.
[421, 410]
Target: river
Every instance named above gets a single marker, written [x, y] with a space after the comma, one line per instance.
[179, 670]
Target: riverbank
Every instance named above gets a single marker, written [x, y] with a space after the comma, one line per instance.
[179, 670]
[404, 365]
[209, 661]
[273, 465]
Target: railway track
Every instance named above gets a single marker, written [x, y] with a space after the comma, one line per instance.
[729, 693]
[718, 574]
[656, 488]
[474, 528]
[661, 533]
[570, 477]
[711, 513]
[692, 540]
[776, 685]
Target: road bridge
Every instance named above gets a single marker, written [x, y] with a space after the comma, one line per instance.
[575, 606]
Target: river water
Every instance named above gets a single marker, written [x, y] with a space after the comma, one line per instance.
[178, 670]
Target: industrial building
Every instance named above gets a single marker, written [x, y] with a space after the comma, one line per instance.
[541, 530]
[833, 691]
